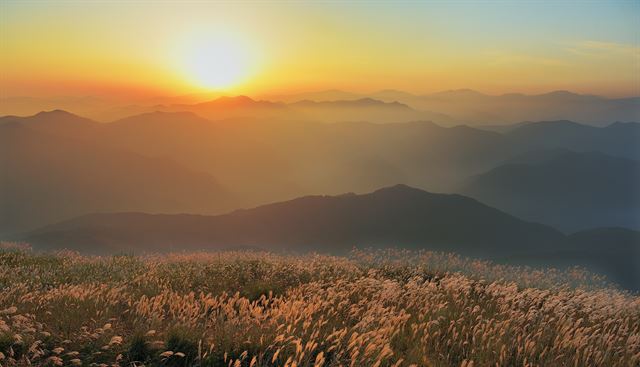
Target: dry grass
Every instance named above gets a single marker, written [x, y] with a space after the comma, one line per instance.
[383, 308]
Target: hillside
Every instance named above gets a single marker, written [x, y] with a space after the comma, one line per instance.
[567, 190]
[397, 215]
[275, 160]
[617, 139]
[243, 308]
[268, 160]
[296, 158]
[48, 178]
[611, 251]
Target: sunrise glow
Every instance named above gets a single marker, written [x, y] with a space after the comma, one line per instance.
[320, 183]
[257, 49]
[216, 62]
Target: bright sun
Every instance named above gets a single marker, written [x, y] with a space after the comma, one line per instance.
[216, 62]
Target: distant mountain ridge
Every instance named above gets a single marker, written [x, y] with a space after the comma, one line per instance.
[240, 101]
[58, 122]
[460, 106]
[466, 106]
[48, 177]
[567, 190]
[618, 139]
[350, 103]
[61, 165]
[275, 160]
[361, 109]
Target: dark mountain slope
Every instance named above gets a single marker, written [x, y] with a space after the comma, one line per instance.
[618, 139]
[397, 215]
[48, 178]
[567, 190]
[613, 252]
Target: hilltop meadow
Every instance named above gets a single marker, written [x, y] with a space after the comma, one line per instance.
[371, 308]
[319, 183]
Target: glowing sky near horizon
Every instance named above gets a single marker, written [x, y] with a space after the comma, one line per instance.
[146, 47]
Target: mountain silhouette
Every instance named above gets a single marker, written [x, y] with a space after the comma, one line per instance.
[229, 107]
[363, 109]
[462, 106]
[397, 215]
[618, 139]
[83, 105]
[362, 102]
[273, 159]
[475, 108]
[464, 93]
[360, 109]
[316, 96]
[391, 95]
[567, 190]
[56, 122]
[234, 102]
[47, 178]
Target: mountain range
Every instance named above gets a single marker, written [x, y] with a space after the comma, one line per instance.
[388, 216]
[161, 180]
[570, 191]
[617, 139]
[392, 216]
[462, 106]
[267, 160]
[475, 108]
[49, 177]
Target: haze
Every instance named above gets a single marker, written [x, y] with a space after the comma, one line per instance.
[319, 183]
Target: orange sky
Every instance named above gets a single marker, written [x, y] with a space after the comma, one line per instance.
[144, 48]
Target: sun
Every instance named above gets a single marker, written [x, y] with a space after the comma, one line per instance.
[217, 62]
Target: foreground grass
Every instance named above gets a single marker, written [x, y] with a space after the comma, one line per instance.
[382, 308]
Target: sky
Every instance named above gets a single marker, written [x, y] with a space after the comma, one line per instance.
[129, 48]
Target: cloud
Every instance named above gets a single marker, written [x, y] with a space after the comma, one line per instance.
[604, 49]
[505, 58]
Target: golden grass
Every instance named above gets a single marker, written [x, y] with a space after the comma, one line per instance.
[376, 308]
